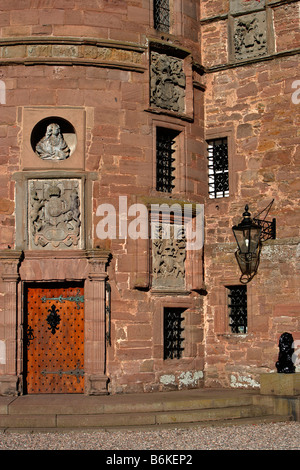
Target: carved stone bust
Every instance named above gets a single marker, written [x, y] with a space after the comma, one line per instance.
[52, 146]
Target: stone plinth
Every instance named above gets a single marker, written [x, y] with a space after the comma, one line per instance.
[280, 384]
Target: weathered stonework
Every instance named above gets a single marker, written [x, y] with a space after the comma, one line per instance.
[54, 214]
[90, 64]
[52, 146]
[168, 258]
[167, 82]
[32, 51]
[250, 36]
[242, 6]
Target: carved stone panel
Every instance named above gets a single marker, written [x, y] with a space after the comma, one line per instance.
[241, 6]
[167, 82]
[54, 214]
[250, 36]
[168, 257]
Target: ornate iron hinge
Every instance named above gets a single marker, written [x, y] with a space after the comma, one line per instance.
[78, 299]
[77, 372]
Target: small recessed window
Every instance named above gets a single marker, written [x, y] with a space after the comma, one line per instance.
[218, 176]
[173, 330]
[165, 161]
[161, 13]
[237, 305]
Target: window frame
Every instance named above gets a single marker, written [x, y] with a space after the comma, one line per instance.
[233, 165]
[213, 174]
[157, 11]
[177, 351]
[179, 155]
[230, 289]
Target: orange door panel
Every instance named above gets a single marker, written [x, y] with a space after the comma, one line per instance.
[54, 339]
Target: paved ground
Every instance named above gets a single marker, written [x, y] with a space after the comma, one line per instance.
[277, 436]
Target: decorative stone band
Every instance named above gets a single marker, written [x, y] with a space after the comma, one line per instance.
[72, 51]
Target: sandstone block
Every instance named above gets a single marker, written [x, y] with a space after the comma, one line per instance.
[280, 384]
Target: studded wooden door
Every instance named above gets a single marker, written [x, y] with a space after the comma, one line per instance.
[54, 339]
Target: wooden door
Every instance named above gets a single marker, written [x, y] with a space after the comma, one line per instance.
[54, 339]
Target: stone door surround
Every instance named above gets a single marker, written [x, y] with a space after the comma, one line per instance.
[20, 267]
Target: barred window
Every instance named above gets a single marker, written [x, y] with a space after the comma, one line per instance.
[173, 340]
[218, 177]
[237, 304]
[162, 15]
[165, 140]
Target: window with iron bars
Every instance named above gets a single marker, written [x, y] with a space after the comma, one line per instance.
[173, 340]
[237, 304]
[161, 13]
[218, 176]
[165, 140]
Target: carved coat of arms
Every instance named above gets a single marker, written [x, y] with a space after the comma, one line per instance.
[54, 213]
[250, 36]
[167, 82]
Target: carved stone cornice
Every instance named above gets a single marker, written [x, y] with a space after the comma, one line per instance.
[72, 51]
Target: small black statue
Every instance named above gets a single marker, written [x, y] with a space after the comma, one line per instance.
[285, 363]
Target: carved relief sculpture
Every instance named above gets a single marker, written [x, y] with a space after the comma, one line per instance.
[52, 146]
[54, 214]
[250, 36]
[168, 258]
[167, 82]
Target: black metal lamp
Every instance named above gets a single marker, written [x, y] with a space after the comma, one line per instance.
[249, 234]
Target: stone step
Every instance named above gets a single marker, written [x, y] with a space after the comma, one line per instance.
[129, 419]
[39, 405]
[63, 412]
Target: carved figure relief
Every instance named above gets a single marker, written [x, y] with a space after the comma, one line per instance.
[168, 258]
[250, 36]
[54, 213]
[167, 82]
[52, 146]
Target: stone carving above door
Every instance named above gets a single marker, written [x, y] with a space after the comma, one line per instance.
[167, 82]
[54, 214]
[168, 258]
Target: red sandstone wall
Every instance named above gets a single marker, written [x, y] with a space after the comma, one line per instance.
[253, 104]
[119, 147]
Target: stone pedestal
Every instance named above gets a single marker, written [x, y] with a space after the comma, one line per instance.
[280, 384]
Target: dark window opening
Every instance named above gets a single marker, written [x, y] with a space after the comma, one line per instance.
[165, 140]
[237, 303]
[162, 15]
[173, 340]
[218, 176]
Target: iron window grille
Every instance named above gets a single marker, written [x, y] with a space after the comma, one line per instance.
[165, 140]
[161, 13]
[173, 340]
[218, 175]
[237, 303]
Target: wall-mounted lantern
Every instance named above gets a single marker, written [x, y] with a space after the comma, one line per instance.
[249, 235]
